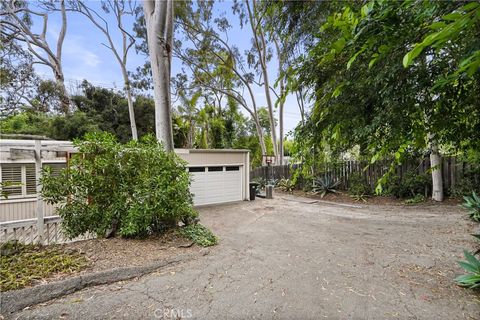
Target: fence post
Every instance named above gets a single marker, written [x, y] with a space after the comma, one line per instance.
[38, 173]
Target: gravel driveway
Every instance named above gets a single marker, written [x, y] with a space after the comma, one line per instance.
[294, 258]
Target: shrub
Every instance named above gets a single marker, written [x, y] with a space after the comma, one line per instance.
[409, 185]
[136, 188]
[324, 185]
[464, 186]
[472, 204]
[199, 234]
[357, 185]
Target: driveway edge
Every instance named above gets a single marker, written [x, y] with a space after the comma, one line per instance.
[15, 300]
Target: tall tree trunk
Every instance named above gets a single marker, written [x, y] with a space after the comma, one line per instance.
[131, 111]
[436, 165]
[261, 137]
[64, 96]
[261, 47]
[281, 137]
[159, 25]
[301, 105]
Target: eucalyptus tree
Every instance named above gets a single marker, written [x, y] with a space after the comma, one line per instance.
[16, 24]
[158, 17]
[17, 77]
[215, 63]
[119, 9]
[260, 56]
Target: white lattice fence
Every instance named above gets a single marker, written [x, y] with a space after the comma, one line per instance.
[25, 231]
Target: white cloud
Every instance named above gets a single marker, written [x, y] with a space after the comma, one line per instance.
[73, 47]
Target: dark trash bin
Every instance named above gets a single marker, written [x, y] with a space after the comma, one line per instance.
[253, 190]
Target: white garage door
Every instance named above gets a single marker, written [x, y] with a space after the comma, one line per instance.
[216, 184]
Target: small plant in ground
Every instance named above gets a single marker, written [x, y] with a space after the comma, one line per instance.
[472, 266]
[22, 264]
[359, 197]
[324, 185]
[419, 198]
[261, 183]
[286, 185]
[273, 182]
[472, 204]
[199, 234]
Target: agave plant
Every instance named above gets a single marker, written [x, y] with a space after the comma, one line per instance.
[359, 197]
[324, 185]
[472, 266]
[286, 185]
[472, 204]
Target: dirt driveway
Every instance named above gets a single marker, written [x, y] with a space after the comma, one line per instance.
[289, 258]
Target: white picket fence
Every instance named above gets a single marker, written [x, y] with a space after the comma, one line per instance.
[26, 231]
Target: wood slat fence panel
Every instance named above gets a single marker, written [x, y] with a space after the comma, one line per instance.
[453, 170]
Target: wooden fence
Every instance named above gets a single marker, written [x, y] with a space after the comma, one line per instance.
[452, 171]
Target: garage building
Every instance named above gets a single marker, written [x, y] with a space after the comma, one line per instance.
[218, 176]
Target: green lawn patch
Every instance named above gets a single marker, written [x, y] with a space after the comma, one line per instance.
[23, 264]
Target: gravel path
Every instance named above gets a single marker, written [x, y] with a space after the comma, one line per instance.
[294, 258]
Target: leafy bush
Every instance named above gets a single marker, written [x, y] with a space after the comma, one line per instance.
[464, 186]
[324, 185]
[409, 185]
[357, 185]
[472, 266]
[286, 185]
[135, 188]
[472, 204]
[199, 234]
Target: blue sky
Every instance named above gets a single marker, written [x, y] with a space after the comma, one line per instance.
[85, 58]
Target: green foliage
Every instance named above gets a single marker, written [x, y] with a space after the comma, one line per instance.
[324, 185]
[472, 204]
[419, 198]
[199, 234]
[410, 185]
[22, 264]
[362, 94]
[472, 266]
[261, 183]
[460, 22]
[286, 185]
[136, 188]
[5, 185]
[357, 185]
[464, 186]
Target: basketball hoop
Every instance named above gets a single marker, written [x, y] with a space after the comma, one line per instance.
[268, 159]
